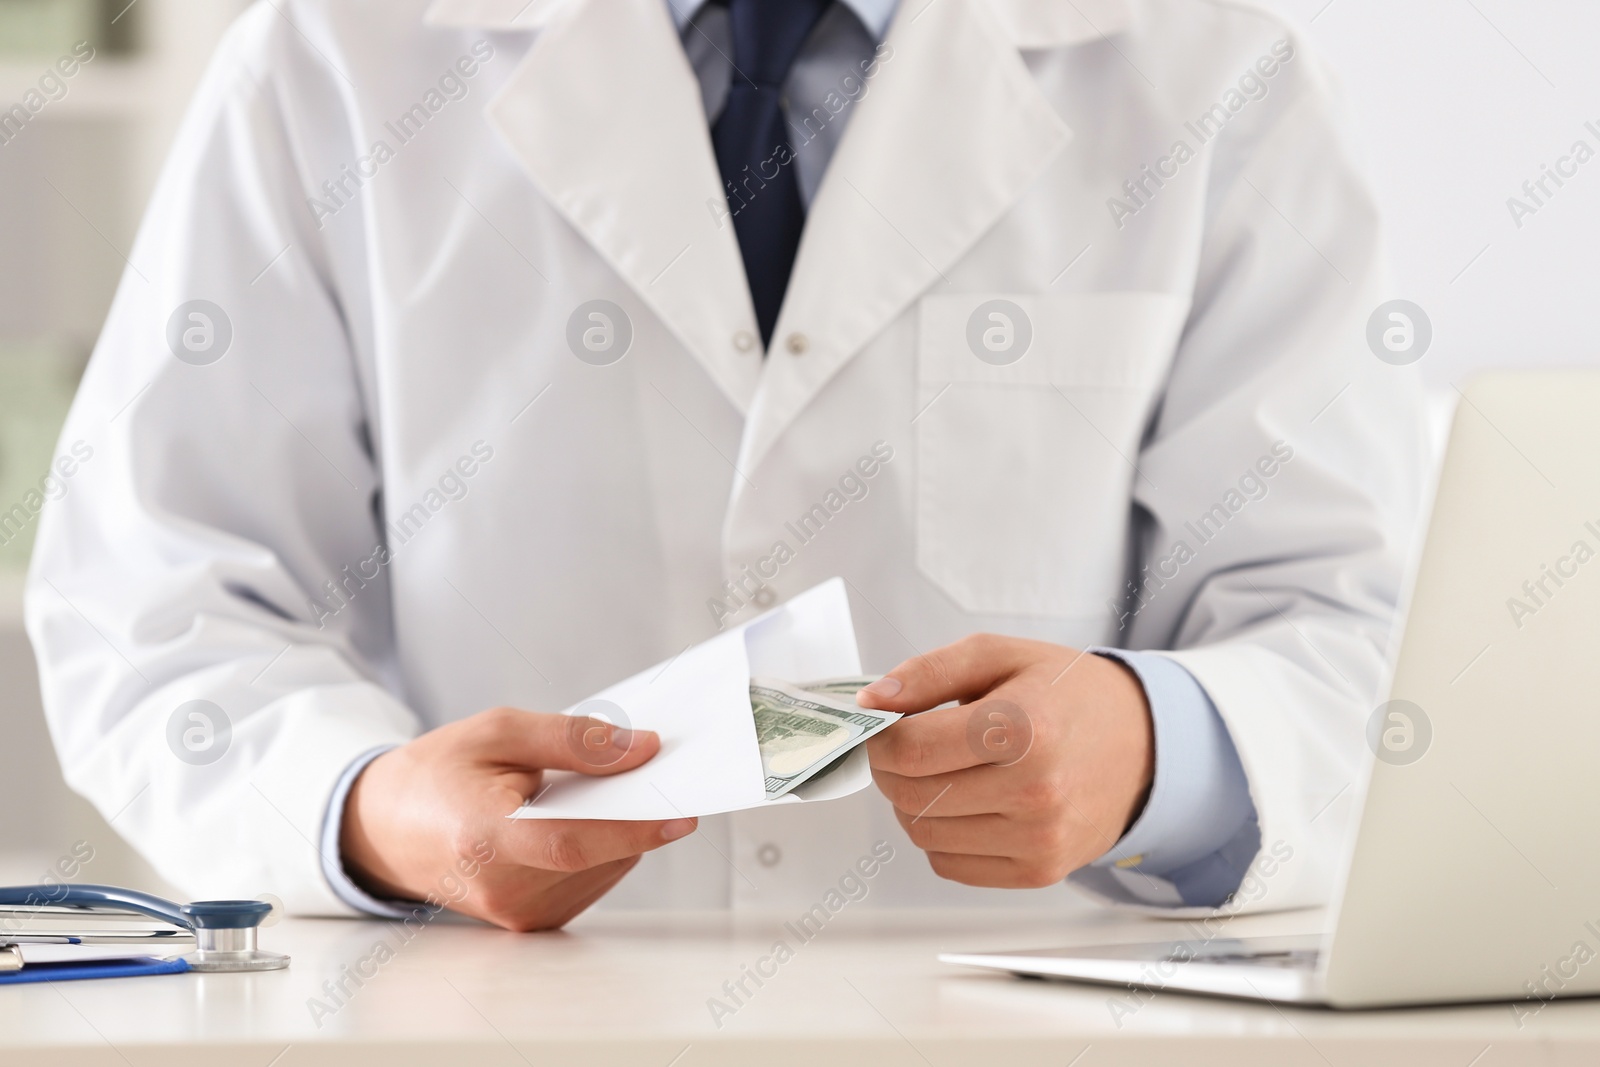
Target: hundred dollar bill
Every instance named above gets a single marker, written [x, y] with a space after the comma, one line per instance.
[804, 733]
[845, 687]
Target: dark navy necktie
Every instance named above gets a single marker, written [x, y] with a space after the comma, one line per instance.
[752, 145]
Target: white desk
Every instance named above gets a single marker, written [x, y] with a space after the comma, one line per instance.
[631, 988]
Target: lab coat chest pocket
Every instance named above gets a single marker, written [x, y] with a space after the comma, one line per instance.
[1025, 463]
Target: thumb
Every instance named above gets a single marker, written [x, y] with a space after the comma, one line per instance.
[963, 671]
[568, 743]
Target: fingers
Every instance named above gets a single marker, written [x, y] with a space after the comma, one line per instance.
[984, 828]
[996, 871]
[543, 903]
[562, 742]
[934, 742]
[976, 791]
[575, 895]
[982, 835]
[571, 845]
[964, 670]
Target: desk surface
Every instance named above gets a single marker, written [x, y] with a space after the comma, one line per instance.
[633, 988]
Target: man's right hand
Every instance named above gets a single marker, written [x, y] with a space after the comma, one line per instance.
[421, 814]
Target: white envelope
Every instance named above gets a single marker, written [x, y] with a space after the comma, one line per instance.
[699, 702]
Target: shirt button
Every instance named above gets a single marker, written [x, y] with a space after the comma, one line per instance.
[765, 597]
[769, 855]
[797, 344]
[744, 340]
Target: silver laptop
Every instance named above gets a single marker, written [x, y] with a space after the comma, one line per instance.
[1474, 871]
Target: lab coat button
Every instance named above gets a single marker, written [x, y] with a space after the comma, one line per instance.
[769, 855]
[796, 343]
[765, 597]
[744, 340]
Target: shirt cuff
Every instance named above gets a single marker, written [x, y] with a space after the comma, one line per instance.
[1197, 834]
[333, 863]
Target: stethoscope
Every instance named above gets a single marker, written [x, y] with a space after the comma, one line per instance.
[224, 930]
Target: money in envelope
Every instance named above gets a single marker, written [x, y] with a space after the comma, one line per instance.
[763, 713]
[806, 731]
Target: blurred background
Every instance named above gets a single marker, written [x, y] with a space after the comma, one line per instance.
[1457, 102]
[73, 182]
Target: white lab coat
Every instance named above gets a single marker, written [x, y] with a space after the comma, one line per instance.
[400, 414]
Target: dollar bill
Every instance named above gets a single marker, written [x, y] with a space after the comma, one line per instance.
[805, 732]
[846, 687]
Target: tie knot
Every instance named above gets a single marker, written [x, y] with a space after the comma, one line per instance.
[767, 36]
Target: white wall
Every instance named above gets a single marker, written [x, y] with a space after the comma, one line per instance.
[72, 188]
[1460, 102]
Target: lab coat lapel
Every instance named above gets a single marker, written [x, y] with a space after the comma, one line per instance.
[605, 117]
[951, 132]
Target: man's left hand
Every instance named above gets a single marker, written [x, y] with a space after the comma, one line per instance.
[1037, 772]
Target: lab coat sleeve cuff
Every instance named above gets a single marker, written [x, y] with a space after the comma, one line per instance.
[1197, 834]
[333, 870]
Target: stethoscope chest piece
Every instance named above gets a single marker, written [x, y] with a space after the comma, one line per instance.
[225, 936]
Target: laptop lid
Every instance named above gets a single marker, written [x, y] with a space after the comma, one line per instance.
[1475, 872]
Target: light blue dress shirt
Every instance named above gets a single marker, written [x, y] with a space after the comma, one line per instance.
[1197, 833]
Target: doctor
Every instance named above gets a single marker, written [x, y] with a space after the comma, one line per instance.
[476, 354]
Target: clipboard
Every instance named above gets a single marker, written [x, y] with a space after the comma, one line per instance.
[129, 967]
